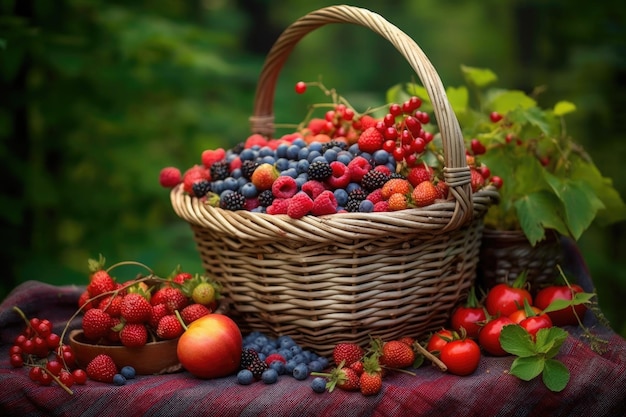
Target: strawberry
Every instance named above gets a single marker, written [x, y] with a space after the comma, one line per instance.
[181, 277]
[366, 121]
[299, 205]
[100, 282]
[158, 312]
[348, 353]
[347, 380]
[173, 298]
[407, 340]
[84, 301]
[443, 188]
[478, 181]
[111, 304]
[264, 176]
[419, 174]
[397, 202]
[101, 368]
[134, 335]
[395, 185]
[135, 308]
[325, 203]
[193, 312]
[169, 327]
[96, 324]
[170, 177]
[370, 382]
[397, 354]
[114, 331]
[425, 193]
[370, 140]
[357, 367]
[284, 187]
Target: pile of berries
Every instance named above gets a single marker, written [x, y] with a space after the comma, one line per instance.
[144, 309]
[264, 358]
[343, 162]
[49, 360]
[358, 369]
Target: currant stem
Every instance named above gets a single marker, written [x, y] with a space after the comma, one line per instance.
[442, 366]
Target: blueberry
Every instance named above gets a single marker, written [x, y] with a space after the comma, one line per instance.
[301, 372]
[118, 379]
[128, 372]
[293, 151]
[245, 377]
[299, 358]
[247, 155]
[291, 172]
[278, 366]
[299, 142]
[295, 349]
[285, 342]
[231, 183]
[282, 164]
[341, 196]
[303, 153]
[285, 353]
[249, 190]
[302, 166]
[314, 154]
[316, 146]
[381, 157]
[315, 366]
[290, 366]
[330, 155]
[281, 150]
[266, 151]
[268, 159]
[344, 157]
[269, 376]
[366, 206]
[318, 384]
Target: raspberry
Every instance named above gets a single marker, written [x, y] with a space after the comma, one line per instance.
[193, 174]
[340, 177]
[278, 206]
[370, 140]
[313, 188]
[358, 167]
[299, 205]
[374, 179]
[201, 188]
[232, 200]
[325, 203]
[284, 187]
[375, 196]
[220, 170]
[170, 177]
[255, 139]
[319, 170]
[381, 206]
[211, 156]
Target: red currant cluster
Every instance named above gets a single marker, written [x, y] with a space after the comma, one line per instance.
[39, 348]
[402, 128]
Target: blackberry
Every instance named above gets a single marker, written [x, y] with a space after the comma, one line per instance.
[332, 144]
[319, 170]
[247, 357]
[374, 179]
[232, 200]
[266, 198]
[248, 167]
[354, 200]
[257, 367]
[201, 188]
[220, 170]
[397, 175]
[238, 148]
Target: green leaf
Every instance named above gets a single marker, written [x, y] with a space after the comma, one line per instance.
[579, 201]
[560, 304]
[516, 340]
[458, 98]
[417, 90]
[555, 375]
[538, 211]
[479, 77]
[549, 341]
[527, 368]
[564, 107]
[509, 100]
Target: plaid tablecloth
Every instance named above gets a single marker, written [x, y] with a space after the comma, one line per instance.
[597, 386]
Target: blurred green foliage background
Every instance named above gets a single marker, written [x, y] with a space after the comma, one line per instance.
[97, 96]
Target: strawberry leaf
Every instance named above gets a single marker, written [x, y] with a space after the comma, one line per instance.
[527, 368]
[555, 375]
[517, 341]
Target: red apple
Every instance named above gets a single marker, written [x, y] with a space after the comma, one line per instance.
[210, 347]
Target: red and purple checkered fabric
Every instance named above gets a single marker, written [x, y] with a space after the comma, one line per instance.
[597, 386]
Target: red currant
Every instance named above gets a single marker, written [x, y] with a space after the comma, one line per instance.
[418, 145]
[300, 87]
[398, 154]
[391, 133]
[477, 147]
[15, 350]
[413, 125]
[35, 373]
[66, 378]
[53, 340]
[45, 378]
[422, 117]
[395, 110]
[509, 137]
[348, 114]
[389, 145]
[495, 116]
[80, 376]
[485, 172]
[17, 361]
[54, 367]
[496, 181]
[427, 136]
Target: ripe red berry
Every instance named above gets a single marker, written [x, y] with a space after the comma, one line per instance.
[495, 116]
[496, 181]
[300, 87]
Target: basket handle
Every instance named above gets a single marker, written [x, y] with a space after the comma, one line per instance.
[456, 172]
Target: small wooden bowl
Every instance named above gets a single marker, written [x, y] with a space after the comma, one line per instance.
[153, 358]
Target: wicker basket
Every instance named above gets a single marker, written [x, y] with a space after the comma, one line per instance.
[349, 276]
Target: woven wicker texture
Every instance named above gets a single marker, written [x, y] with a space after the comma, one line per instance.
[349, 276]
